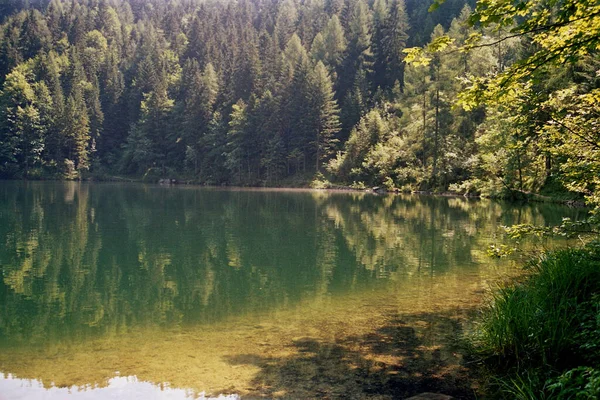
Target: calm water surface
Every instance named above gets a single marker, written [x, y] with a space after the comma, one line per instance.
[134, 291]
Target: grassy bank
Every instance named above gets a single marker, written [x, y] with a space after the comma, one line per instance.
[539, 338]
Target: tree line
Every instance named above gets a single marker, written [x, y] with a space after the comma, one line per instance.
[264, 92]
[241, 93]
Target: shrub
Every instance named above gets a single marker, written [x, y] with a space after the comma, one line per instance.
[545, 325]
[581, 383]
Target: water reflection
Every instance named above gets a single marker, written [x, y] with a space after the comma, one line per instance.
[117, 388]
[96, 270]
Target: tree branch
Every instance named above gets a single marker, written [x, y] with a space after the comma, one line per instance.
[534, 30]
[573, 132]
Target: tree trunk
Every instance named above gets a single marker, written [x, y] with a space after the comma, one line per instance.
[436, 135]
[424, 110]
[318, 153]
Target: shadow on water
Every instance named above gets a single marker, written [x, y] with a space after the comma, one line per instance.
[411, 354]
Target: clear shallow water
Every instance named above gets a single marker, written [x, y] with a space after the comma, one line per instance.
[116, 388]
[189, 290]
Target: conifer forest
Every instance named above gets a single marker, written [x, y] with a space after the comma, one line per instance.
[492, 98]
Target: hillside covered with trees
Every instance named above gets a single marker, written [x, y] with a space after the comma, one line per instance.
[266, 92]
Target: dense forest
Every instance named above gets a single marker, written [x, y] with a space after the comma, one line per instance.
[268, 92]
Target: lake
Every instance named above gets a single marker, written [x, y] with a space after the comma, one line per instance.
[152, 292]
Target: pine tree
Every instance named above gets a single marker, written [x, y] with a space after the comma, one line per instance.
[312, 20]
[95, 114]
[246, 70]
[293, 56]
[269, 127]
[77, 131]
[285, 22]
[335, 42]
[237, 151]
[326, 110]
[55, 18]
[153, 130]
[353, 84]
[197, 98]
[214, 149]
[394, 43]
[318, 51]
[271, 61]
[35, 35]
[55, 139]
[298, 133]
[114, 108]
[441, 79]
[359, 33]
[138, 154]
[380, 18]
[334, 7]
[109, 23]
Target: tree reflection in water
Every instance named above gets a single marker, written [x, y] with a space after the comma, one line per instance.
[266, 286]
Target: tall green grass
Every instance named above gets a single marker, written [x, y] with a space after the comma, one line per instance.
[535, 330]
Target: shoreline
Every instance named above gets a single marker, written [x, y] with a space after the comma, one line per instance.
[524, 196]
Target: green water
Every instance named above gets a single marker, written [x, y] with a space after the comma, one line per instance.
[250, 292]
